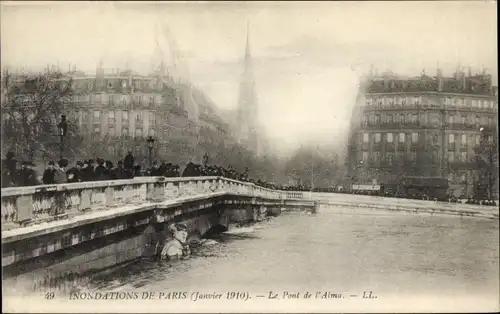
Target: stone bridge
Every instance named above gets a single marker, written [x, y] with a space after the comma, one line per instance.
[52, 234]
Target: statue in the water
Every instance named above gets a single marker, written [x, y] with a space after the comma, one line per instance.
[177, 248]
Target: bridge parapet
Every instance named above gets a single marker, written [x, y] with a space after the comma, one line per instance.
[22, 206]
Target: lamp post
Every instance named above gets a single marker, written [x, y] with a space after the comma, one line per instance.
[151, 142]
[62, 127]
[485, 163]
[205, 160]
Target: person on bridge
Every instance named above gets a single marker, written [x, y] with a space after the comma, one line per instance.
[9, 172]
[120, 172]
[60, 175]
[74, 174]
[177, 248]
[128, 164]
[28, 175]
[49, 173]
[87, 171]
[156, 171]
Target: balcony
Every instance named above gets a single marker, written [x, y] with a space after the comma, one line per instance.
[377, 146]
[401, 147]
[399, 126]
[389, 146]
[461, 126]
[487, 129]
[459, 164]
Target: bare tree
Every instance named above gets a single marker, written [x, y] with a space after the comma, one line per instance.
[30, 111]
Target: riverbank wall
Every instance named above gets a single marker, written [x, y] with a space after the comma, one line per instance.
[406, 205]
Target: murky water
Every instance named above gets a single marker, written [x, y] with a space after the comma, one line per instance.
[339, 251]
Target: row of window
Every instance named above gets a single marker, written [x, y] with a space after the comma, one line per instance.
[389, 137]
[460, 157]
[476, 138]
[114, 99]
[139, 132]
[96, 116]
[112, 132]
[390, 157]
[138, 116]
[432, 118]
[124, 84]
[416, 100]
[432, 138]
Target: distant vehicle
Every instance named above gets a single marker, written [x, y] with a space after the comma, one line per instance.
[366, 187]
[433, 187]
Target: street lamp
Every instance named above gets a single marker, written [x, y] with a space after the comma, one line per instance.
[62, 127]
[205, 160]
[151, 142]
[485, 148]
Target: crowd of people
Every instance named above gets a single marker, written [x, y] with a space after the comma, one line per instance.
[24, 174]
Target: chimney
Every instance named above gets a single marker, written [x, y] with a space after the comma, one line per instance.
[99, 74]
[464, 81]
[489, 82]
[386, 80]
[439, 78]
[130, 81]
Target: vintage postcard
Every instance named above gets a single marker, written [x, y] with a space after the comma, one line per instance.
[209, 157]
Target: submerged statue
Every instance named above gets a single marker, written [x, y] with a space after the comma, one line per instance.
[176, 248]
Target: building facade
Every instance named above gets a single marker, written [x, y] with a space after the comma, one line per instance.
[116, 111]
[424, 126]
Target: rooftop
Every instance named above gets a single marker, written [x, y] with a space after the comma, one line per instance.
[479, 84]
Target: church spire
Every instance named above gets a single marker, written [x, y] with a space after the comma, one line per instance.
[247, 102]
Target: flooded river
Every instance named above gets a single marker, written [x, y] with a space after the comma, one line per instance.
[335, 250]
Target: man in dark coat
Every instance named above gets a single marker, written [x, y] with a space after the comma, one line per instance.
[87, 173]
[60, 176]
[137, 171]
[48, 174]
[168, 170]
[100, 170]
[156, 171]
[120, 171]
[189, 171]
[175, 171]
[29, 176]
[110, 171]
[75, 173]
[9, 172]
[128, 163]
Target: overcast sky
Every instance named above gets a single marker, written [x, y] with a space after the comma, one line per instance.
[302, 52]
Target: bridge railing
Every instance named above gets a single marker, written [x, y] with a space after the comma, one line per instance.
[35, 204]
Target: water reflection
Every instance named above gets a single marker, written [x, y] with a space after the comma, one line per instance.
[396, 253]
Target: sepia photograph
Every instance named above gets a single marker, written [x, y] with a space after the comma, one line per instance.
[246, 157]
